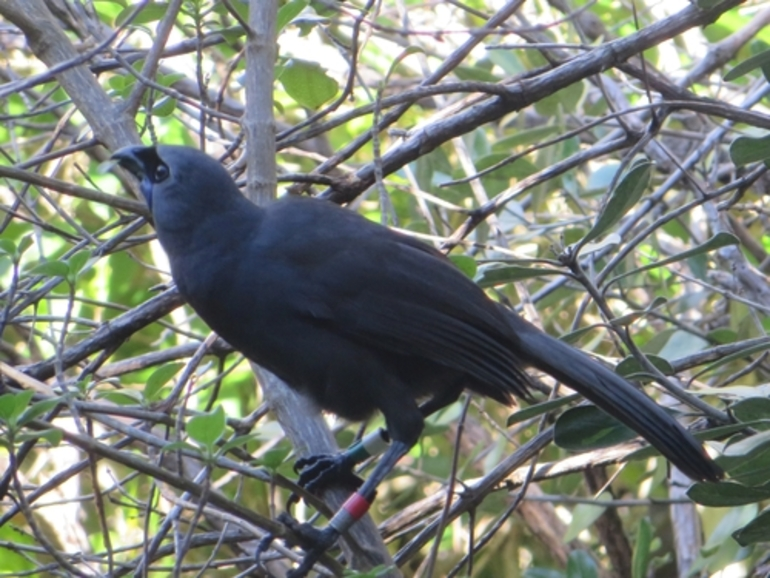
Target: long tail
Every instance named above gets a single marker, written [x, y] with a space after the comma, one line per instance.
[615, 396]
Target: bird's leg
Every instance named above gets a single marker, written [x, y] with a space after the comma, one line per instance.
[320, 471]
[324, 470]
[351, 511]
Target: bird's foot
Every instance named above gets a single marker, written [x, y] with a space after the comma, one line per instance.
[324, 470]
[313, 541]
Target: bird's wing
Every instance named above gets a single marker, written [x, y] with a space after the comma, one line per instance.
[407, 298]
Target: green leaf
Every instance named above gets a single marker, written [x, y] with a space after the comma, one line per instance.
[79, 260]
[12, 405]
[52, 436]
[758, 530]
[540, 408]
[25, 243]
[752, 471]
[164, 107]
[727, 494]
[757, 61]
[577, 335]
[465, 264]
[586, 428]
[179, 445]
[119, 83]
[169, 79]
[238, 441]
[751, 409]
[51, 269]
[121, 396]
[625, 195]
[640, 562]
[564, 100]
[307, 83]
[477, 73]
[494, 274]
[78, 263]
[722, 336]
[38, 409]
[289, 12]
[242, 8]
[749, 446]
[206, 429]
[580, 564]
[158, 379]
[746, 150]
[8, 247]
[272, 459]
[582, 517]
[630, 318]
[630, 366]
[152, 12]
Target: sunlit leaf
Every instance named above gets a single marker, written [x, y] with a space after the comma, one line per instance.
[465, 264]
[583, 516]
[288, 12]
[206, 429]
[308, 83]
[152, 12]
[158, 379]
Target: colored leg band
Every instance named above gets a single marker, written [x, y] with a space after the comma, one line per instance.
[350, 512]
[371, 445]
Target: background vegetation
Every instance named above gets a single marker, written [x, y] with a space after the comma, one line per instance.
[599, 165]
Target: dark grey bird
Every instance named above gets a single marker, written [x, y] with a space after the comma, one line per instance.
[361, 318]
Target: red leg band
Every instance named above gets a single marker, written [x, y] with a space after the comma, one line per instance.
[356, 505]
[350, 512]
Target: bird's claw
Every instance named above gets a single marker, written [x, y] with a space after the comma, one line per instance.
[324, 470]
[313, 541]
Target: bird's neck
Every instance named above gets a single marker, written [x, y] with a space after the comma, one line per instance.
[189, 228]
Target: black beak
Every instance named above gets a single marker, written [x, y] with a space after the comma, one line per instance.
[142, 162]
[133, 159]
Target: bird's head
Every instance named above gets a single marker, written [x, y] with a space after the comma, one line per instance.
[169, 174]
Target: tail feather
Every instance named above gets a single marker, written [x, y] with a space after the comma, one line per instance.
[617, 397]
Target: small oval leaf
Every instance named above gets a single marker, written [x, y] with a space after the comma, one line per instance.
[158, 379]
[51, 269]
[625, 195]
[307, 83]
[746, 150]
[207, 428]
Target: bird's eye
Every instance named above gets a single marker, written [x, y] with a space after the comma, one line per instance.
[161, 173]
